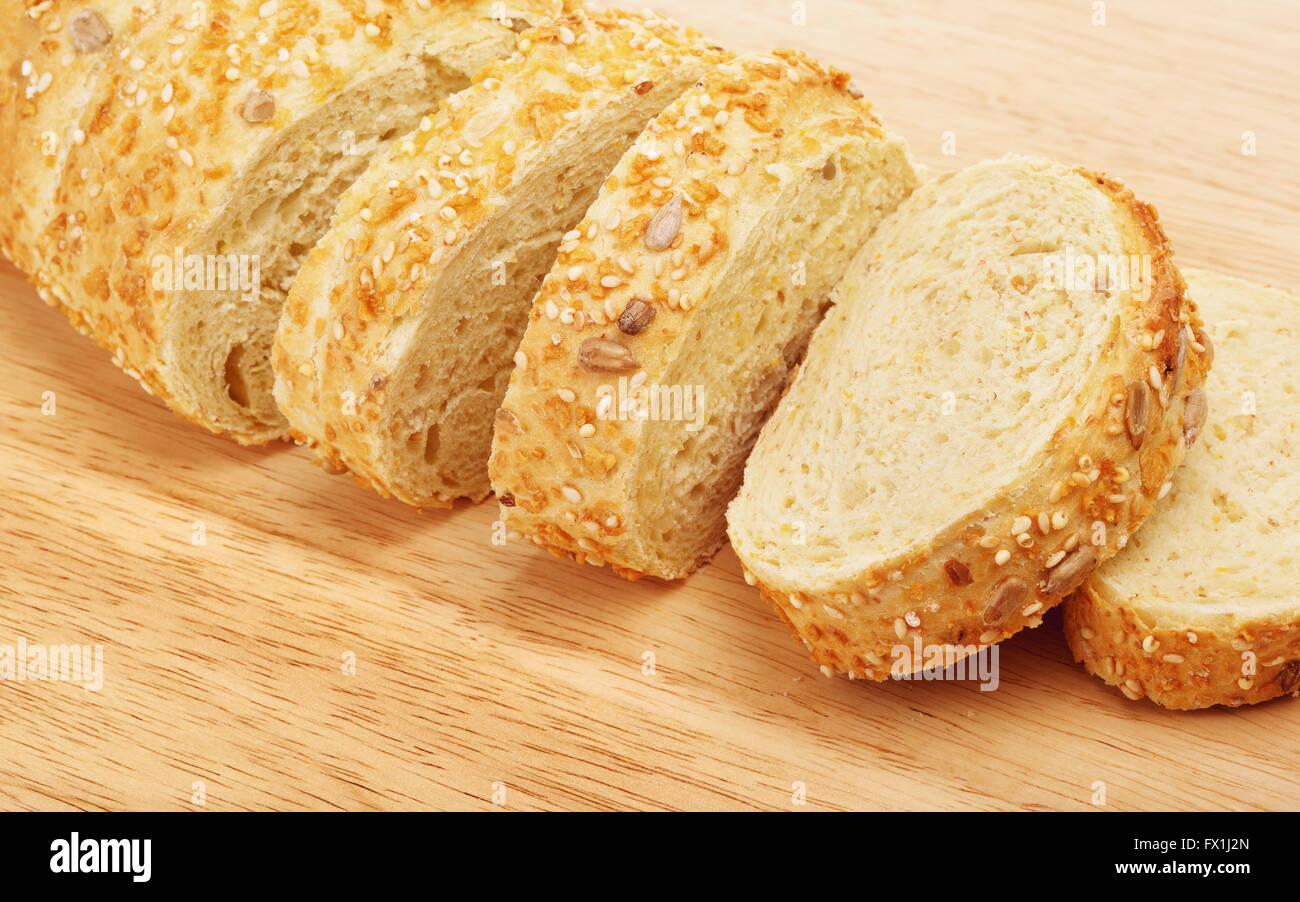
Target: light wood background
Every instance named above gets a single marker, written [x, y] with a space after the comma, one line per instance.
[478, 665]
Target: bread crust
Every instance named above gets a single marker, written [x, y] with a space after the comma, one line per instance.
[337, 360]
[165, 151]
[565, 472]
[952, 591]
[1186, 666]
[1205, 653]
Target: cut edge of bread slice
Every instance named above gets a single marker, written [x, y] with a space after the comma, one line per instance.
[677, 310]
[1202, 609]
[397, 343]
[882, 561]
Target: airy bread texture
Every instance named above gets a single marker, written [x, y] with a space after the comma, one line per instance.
[1202, 608]
[210, 148]
[979, 420]
[679, 306]
[397, 341]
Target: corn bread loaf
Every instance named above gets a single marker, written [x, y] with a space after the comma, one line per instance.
[678, 307]
[398, 338]
[1201, 609]
[177, 160]
[981, 418]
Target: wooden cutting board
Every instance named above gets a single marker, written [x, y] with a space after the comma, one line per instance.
[488, 675]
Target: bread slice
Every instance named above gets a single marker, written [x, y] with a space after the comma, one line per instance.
[41, 119]
[398, 338]
[979, 420]
[679, 306]
[1202, 608]
[217, 138]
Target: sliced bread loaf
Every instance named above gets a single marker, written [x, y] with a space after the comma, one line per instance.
[981, 419]
[398, 338]
[211, 150]
[677, 309]
[1202, 608]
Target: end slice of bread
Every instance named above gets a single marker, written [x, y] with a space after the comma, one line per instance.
[1202, 608]
[678, 308]
[398, 338]
[988, 412]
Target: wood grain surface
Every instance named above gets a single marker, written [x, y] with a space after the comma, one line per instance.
[491, 676]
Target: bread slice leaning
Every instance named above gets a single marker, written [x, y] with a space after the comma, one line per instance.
[398, 338]
[678, 307]
[981, 418]
[1202, 608]
[212, 148]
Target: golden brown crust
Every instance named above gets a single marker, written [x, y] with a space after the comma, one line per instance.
[562, 468]
[167, 141]
[998, 570]
[392, 243]
[1183, 666]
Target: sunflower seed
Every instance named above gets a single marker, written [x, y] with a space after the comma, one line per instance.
[1195, 410]
[662, 230]
[1066, 576]
[1204, 341]
[88, 31]
[958, 573]
[259, 106]
[506, 421]
[636, 316]
[1289, 677]
[1135, 412]
[605, 356]
[1006, 596]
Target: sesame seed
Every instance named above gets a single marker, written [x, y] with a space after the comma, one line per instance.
[720, 119]
[298, 68]
[1054, 560]
[1044, 523]
[587, 430]
[566, 35]
[1172, 659]
[575, 273]
[137, 63]
[988, 636]
[447, 213]
[1150, 644]
[1020, 524]
[372, 30]
[1002, 557]
[827, 672]
[900, 628]
[1024, 540]
[466, 158]
[1031, 609]
[1164, 490]
[567, 395]
[186, 157]
[988, 542]
[552, 311]
[796, 600]
[1154, 376]
[610, 281]
[232, 74]
[913, 619]
[1059, 519]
